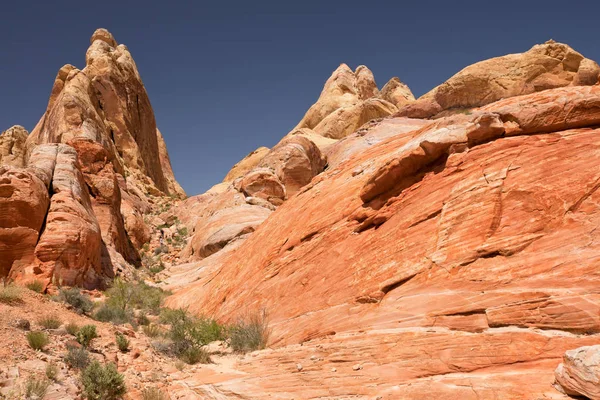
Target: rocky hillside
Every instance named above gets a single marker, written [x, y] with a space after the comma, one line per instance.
[401, 248]
[452, 257]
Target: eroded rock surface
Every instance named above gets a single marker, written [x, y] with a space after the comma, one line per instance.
[453, 237]
[544, 66]
[246, 164]
[101, 158]
[12, 146]
[579, 373]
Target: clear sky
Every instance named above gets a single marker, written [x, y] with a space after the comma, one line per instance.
[225, 77]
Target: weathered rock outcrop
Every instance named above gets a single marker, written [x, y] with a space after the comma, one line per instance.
[246, 164]
[454, 239]
[295, 161]
[48, 227]
[99, 155]
[24, 202]
[230, 212]
[545, 66]
[106, 102]
[397, 93]
[348, 100]
[12, 146]
[579, 373]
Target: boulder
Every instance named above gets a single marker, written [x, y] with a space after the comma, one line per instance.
[579, 373]
[263, 183]
[295, 161]
[246, 164]
[225, 226]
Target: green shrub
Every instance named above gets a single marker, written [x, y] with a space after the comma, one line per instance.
[36, 388]
[50, 322]
[171, 316]
[156, 268]
[122, 342]
[153, 330]
[36, 286]
[193, 332]
[180, 365]
[153, 394]
[249, 334]
[86, 334]
[102, 382]
[161, 249]
[37, 340]
[79, 301]
[126, 296]
[195, 355]
[77, 358]
[52, 371]
[10, 294]
[142, 319]
[72, 328]
[107, 313]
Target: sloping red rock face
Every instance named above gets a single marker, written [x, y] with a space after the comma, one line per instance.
[455, 260]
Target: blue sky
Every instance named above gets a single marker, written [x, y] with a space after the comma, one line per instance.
[225, 77]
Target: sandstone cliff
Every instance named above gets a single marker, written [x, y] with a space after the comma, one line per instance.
[77, 187]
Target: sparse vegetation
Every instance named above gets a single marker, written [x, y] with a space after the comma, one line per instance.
[153, 330]
[36, 388]
[72, 328]
[125, 297]
[122, 342]
[153, 394]
[249, 333]
[171, 316]
[102, 382]
[10, 294]
[142, 319]
[161, 249]
[86, 334]
[36, 286]
[52, 371]
[77, 358]
[37, 340]
[188, 335]
[79, 301]
[107, 313]
[180, 365]
[194, 355]
[50, 322]
[157, 267]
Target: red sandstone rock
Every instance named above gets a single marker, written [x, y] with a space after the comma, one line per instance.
[466, 256]
[24, 202]
[264, 184]
[295, 161]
